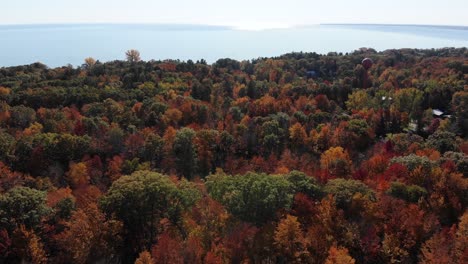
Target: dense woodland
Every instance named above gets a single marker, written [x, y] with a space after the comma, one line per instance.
[301, 158]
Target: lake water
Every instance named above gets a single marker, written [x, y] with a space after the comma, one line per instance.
[57, 45]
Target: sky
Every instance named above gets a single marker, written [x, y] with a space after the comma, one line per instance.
[245, 14]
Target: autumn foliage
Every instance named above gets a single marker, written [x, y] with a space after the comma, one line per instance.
[256, 161]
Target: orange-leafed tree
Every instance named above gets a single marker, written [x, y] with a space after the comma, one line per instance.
[376, 165]
[86, 195]
[439, 248]
[168, 163]
[36, 250]
[62, 201]
[337, 162]
[208, 219]
[406, 227]
[450, 245]
[290, 240]
[78, 175]
[114, 168]
[172, 116]
[461, 239]
[27, 247]
[212, 258]
[339, 256]
[95, 169]
[144, 258]
[88, 237]
[298, 137]
[9, 178]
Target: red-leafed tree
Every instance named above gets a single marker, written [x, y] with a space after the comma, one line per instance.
[168, 249]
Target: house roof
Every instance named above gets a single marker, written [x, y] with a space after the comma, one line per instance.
[437, 112]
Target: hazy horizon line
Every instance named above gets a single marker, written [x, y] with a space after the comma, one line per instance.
[228, 27]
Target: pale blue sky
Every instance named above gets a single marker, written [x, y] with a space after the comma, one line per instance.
[239, 13]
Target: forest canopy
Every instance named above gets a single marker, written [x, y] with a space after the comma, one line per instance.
[300, 158]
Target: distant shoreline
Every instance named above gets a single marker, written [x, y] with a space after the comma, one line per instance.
[397, 25]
